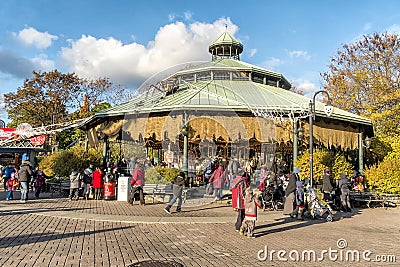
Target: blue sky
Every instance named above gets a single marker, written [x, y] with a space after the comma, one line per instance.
[128, 41]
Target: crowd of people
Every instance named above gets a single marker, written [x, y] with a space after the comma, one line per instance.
[23, 178]
[274, 184]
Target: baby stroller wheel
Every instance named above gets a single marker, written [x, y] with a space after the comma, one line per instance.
[329, 218]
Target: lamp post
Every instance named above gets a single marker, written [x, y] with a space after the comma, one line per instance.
[328, 111]
[361, 145]
[185, 132]
[297, 138]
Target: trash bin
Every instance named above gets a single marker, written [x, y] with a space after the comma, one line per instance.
[109, 186]
[124, 188]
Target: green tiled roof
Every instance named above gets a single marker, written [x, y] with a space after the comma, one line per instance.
[220, 95]
[226, 39]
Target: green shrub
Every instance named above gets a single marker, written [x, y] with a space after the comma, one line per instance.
[62, 163]
[385, 176]
[168, 173]
[323, 159]
[153, 177]
[340, 165]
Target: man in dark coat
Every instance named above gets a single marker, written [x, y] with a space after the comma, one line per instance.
[344, 185]
[327, 186]
[290, 192]
[24, 176]
[177, 189]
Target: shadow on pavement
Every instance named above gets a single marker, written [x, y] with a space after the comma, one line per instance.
[300, 224]
[17, 240]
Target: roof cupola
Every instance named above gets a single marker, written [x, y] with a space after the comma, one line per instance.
[225, 46]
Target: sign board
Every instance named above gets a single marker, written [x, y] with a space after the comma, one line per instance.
[6, 133]
[38, 140]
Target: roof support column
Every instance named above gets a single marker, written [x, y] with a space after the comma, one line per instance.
[295, 141]
[360, 153]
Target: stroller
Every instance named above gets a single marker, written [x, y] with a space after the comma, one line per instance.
[317, 208]
[272, 197]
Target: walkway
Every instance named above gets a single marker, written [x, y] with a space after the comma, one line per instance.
[56, 232]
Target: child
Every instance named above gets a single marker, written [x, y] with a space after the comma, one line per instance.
[12, 185]
[251, 204]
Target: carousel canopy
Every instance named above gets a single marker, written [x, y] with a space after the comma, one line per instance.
[226, 84]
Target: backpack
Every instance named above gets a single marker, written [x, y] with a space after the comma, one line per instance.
[87, 179]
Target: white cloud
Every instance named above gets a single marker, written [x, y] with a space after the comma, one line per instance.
[42, 63]
[31, 36]
[272, 63]
[367, 27]
[171, 17]
[305, 85]
[299, 54]
[395, 29]
[132, 63]
[252, 52]
[3, 113]
[188, 15]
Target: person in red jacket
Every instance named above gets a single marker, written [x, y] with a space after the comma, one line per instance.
[98, 175]
[138, 182]
[219, 177]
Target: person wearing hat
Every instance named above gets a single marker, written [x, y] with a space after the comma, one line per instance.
[290, 193]
[177, 189]
[345, 185]
[87, 181]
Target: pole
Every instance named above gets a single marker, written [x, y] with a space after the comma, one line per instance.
[295, 142]
[185, 144]
[311, 121]
[360, 153]
[185, 155]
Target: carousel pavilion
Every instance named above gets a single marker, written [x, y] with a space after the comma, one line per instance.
[225, 108]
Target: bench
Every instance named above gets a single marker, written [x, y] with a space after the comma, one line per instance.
[163, 190]
[390, 200]
[370, 199]
[61, 188]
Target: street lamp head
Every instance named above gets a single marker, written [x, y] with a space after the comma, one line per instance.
[184, 130]
[328, 108]
[300, 134]
[368, 142]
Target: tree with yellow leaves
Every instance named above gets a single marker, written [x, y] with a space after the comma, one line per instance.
[364, 78]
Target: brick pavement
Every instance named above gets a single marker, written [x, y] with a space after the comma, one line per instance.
[55, 232]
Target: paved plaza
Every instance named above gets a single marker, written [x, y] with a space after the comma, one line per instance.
[53, 231]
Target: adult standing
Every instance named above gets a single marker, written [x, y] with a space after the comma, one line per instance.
[138, 182]
[98, 175]
[345, 185]
[327, 185]
[24, 176]
[6, 173]
[75, 183]
[239, 185]
[177, 188]
[218, 178]
[233, 170]
[290, 192]
[87, 181]
[299, 201]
